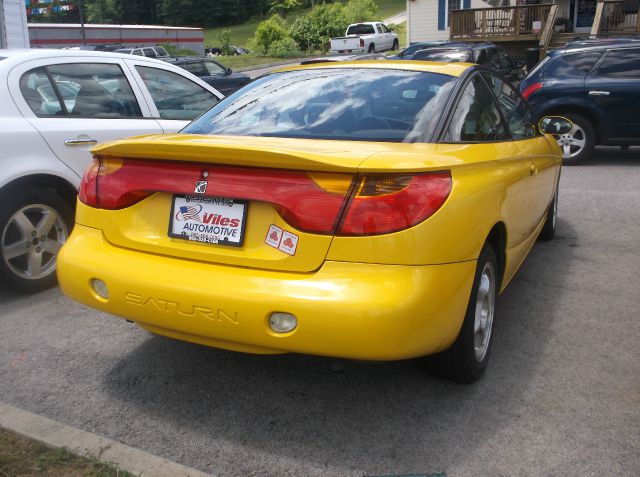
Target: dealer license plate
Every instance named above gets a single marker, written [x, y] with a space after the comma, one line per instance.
[213, 220]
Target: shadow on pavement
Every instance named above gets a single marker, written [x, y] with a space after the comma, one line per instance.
[377, 417]
[613, 156]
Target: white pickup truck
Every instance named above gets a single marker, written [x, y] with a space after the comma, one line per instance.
[369, 36]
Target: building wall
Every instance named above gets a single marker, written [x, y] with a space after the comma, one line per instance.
[59, 36]
[425, 17]
[13, 24]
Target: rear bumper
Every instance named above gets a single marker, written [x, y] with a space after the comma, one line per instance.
[349, 310]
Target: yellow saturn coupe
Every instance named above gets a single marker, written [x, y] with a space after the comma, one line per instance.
[366, 210]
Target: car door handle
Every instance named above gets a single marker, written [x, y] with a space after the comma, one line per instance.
[598, 93]
[80, 142]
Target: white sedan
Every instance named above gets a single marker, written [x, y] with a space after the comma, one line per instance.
[54, 106]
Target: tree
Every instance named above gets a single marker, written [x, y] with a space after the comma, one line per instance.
[103, 11]
[281, 7]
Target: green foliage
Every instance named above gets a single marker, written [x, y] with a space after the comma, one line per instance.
[225, 42]
[313, 31]
[282, 6]
[173, 51]
[103, 11]
[284, 48]
[269, 31]
[360, 11]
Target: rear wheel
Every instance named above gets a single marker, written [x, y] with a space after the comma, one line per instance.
[34, 224]
[578, 143]
[372, 48]
[467, 358]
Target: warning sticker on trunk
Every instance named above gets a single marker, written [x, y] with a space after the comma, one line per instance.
[283, 240]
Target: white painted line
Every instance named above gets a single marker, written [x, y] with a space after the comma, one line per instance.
[57, 435]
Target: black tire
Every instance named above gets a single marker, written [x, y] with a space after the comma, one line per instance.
[372, 48]
[32, 204]
[461, 362]
[583, 130]
[549, 228]
[396, 45]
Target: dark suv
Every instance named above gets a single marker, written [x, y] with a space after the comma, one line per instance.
[596, 84]
[490, 55]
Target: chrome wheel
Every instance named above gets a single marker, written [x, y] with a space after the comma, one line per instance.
[31, 240]
[485, 305]
[572, 143]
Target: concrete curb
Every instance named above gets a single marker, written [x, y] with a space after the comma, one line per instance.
[57, 435]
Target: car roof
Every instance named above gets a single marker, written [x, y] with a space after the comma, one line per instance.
[15, 55]
[599, 44]
[451, 69]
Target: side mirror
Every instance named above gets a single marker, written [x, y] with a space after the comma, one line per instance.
[229, 71]
[555, 125]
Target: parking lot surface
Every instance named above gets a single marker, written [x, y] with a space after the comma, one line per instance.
[561, 395]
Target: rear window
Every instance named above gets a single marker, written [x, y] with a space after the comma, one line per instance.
[573, 64]
[360, 29]
[343, 104]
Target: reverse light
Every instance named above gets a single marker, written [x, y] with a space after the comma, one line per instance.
[532, 88]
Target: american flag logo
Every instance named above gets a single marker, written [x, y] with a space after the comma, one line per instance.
[188, 212]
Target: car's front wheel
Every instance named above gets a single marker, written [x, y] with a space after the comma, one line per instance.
[396, 45]
[467, 358]
[34, 224]
[578, 143]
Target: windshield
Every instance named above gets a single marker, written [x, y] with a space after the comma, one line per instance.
[344, 104]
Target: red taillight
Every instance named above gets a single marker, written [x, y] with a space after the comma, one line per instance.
[389, 203]
[88, 193]
[361, 42]
[323, 203]
[532, 88]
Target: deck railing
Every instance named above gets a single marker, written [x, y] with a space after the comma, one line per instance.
[616, 17]
[502, 22]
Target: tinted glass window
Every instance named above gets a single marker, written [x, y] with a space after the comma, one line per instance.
[360, 29]
[39, 94]
[519, 119]
[150, 52]
[88, 90]
[175, 97]
[347, 104]
[384, 29]
[138, 52]
[444, 55]
[196, 67]
[214, 68]
[476, 117]
[621, 64]
[574, 64]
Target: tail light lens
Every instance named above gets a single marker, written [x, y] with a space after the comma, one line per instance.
[361, 42]
[385, 204]
[529, 90]
[322, 203]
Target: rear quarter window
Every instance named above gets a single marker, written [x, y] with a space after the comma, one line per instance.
[573, 64]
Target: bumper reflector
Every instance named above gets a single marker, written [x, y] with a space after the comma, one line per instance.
[282, 322]
[100, 288]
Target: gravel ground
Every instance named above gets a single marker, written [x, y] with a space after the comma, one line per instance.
[561, 395]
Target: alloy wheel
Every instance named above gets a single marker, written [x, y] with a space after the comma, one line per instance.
[573, 142]
[485, 307]
[31, 240]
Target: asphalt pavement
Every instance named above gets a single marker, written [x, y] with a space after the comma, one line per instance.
[561, 396]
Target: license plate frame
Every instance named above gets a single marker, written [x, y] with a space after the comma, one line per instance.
[208, 205]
